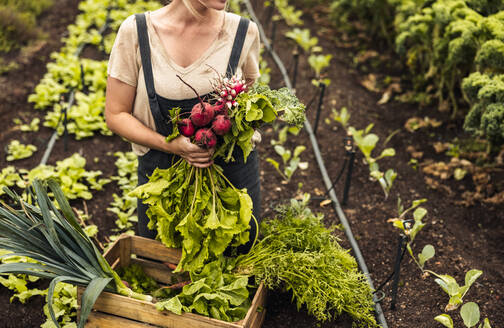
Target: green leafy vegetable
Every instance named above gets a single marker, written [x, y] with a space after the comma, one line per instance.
[214, 292]
[16, 150]
[196, 209]
[8, 178]
[137, 280]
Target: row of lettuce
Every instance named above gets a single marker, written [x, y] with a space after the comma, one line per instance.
[95, 27]
[454, 50]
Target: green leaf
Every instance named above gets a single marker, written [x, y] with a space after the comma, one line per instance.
[93, 290]
[459, 173]
[173, 305]
[91, 230]
[273, 162]
[399, 224]
[390, 177]
[448, 284]
[428, 252]
[50, 295]
[319, 62]
[419, 213]
[388, 152]
[298, 150]
[342, 116]
[280, 150]
[418, 202]
[368, 144]
[302, 38]
[470, 278]
[445, 320]
[470, 313]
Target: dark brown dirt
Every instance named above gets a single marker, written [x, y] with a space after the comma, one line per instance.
[463, 236]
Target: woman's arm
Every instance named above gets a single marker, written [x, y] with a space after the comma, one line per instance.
[118, 106]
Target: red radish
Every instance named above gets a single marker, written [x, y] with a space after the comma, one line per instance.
[202, 114]
[186, 127]
[220, 109]
[221, 125]
[205, 138]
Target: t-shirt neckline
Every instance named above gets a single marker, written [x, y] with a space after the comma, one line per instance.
[197, 62]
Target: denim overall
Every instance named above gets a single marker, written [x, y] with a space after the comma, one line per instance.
[241, 174]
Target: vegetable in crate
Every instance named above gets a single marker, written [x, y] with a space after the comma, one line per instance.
[56, 240]
[198, 209]
[214, 292]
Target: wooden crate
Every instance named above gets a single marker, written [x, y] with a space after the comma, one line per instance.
[117, 311]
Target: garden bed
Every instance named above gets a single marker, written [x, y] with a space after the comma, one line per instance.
[463, 236]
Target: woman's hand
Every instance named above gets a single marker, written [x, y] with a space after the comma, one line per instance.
[193, 154]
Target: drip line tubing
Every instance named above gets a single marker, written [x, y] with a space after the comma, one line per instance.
[323, 171]
[54, 136]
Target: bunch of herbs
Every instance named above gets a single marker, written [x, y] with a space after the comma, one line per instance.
[298, 253]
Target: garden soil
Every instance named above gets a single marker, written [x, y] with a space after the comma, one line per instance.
[465, 237]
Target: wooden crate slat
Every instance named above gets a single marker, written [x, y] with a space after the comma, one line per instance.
[158, 271]
[259, 319]
[125, 252]
[155, 250]
[146, 312]
[259, 300]
[102, 320]
[112, 254]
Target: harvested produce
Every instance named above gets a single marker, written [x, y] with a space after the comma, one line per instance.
[299, 254]
[205, 138]
[186, 127]
[197, 209]
[214, 292]
[221, 125]
[63, 251]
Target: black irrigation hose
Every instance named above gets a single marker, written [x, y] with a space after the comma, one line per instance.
[54, 136]
[323, 171]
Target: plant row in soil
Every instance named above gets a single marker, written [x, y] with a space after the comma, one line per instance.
[461, 235]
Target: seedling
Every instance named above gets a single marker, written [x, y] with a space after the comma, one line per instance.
[318, 63]
[16, 150]
[33, 126]
[302, 38]
[470, 314]
[289, 13]
[291, 161]
[367, 142]
[452, 288]
[342, 116]
[284, 133]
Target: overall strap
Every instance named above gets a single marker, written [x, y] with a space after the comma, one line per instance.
[241, 33]
[143, 42]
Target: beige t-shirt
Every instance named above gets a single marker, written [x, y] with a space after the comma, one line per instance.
[125, 64]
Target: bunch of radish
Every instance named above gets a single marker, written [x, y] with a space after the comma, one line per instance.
[207, 121]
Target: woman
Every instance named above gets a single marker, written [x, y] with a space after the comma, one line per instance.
[190, 38]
